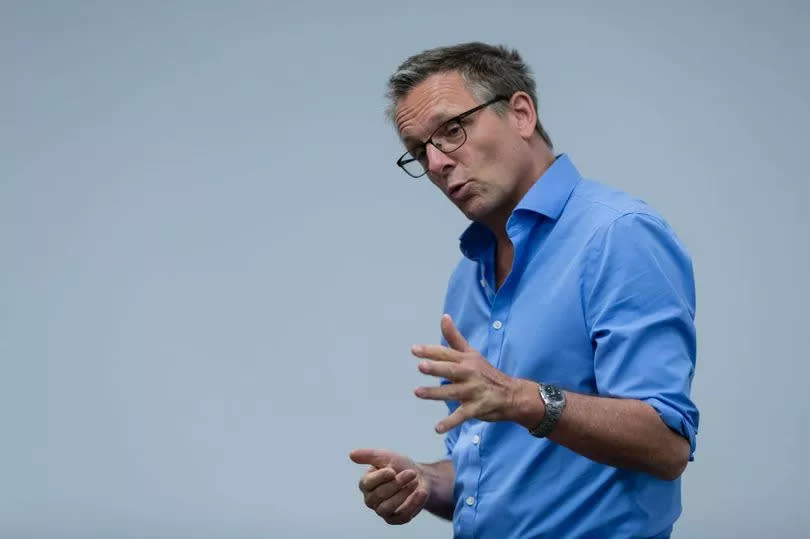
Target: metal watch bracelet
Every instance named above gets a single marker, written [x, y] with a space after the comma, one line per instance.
[554, 400]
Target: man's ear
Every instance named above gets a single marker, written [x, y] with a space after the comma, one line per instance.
[524, 113]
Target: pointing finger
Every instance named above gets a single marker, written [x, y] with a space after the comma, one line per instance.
[379, 458]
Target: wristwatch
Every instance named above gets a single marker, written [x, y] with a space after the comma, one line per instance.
[554, 399]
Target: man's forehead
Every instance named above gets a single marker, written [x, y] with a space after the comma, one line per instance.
[417, 120]
[426, 105]
[411, 131]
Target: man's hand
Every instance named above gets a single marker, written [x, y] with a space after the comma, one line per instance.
[394, 486]
[483, 391]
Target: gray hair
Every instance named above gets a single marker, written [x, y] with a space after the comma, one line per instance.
[487, 70]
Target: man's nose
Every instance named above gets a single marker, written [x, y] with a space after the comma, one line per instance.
[439, 163]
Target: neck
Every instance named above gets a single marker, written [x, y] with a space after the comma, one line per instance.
[542, 157]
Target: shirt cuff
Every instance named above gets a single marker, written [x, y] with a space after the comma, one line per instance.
[676, 421]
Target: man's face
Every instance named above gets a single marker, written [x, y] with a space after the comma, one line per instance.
[481, 176]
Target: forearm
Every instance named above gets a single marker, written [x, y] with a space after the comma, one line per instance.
[441, 478]
[624, 433]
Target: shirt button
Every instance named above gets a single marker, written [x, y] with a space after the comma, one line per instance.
[497, 324]
[484, 283]
[476, 439]
[470, 500]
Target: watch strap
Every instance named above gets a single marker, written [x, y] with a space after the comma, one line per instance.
[554, 401]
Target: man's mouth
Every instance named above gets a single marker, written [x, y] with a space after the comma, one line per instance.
[458, 191]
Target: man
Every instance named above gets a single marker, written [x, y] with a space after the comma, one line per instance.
[568, 345]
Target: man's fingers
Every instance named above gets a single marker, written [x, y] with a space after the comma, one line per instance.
[436, 352]
[453, 335]
[372, 480]
[387, 507]
[443, 369]
[412, 505]
[446, 392]
[379, 458]
[459, 416]
[406, 476]
[386, 490]
[458, 345]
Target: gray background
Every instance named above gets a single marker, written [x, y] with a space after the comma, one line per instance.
[212, 272]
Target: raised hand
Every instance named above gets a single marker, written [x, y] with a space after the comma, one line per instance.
[483, 391]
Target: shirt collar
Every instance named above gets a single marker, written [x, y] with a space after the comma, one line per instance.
[548, 196]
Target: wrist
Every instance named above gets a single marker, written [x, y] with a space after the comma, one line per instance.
[423, 471]
[438, 479]
[528, 408]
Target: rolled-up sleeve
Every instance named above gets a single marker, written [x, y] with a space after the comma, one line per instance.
[639, 295]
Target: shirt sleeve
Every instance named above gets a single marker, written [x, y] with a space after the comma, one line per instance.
[640, 307]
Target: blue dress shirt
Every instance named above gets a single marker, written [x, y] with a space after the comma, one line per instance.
[600, 301]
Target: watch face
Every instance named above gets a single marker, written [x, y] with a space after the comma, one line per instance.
[553, 394]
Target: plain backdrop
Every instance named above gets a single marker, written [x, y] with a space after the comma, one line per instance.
[211, 270]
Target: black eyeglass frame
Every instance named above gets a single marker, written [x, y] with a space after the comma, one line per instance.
[404, 159]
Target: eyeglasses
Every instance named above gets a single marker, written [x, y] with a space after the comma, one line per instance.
[448, 137]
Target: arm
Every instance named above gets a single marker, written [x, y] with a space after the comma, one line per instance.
[639, 306]
[625, 433]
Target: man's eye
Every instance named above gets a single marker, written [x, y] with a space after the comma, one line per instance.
[452, 131]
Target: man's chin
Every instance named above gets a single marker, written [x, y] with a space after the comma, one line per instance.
[473, 208]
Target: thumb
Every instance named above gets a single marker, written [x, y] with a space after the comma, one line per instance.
[379, 458]
[454, 337]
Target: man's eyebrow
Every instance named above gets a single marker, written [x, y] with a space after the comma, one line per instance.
[437, 119]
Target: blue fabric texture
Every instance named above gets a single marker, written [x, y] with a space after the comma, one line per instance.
[600, 301]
